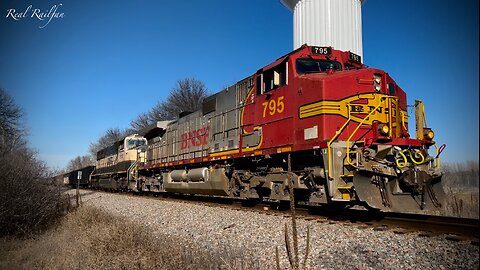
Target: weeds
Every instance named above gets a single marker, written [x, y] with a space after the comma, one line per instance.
[462, 205]
[461, 183]
[89, 238]
[293, 257]
[461, 177]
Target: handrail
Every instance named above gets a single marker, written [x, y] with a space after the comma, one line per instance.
[404, 115]
[130, 169]
[382, 101]
[398, 118]
[389, 106]
[420, 120]
[337, 133]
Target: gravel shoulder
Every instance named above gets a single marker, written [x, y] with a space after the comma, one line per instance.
[333, 246]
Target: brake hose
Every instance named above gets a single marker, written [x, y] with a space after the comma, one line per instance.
[405, 162]
[422, 158]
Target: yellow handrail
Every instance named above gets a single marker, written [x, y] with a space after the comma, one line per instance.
[420, 120]
[383, 98]
[389, 106]
[334, 138]
[348, 161]
[398, 118]
[404, 115]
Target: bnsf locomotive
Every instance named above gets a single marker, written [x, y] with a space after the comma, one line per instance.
[317, 115]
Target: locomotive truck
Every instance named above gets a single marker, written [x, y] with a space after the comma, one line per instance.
[316, 117]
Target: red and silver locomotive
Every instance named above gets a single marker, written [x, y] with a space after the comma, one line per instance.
[318, 115]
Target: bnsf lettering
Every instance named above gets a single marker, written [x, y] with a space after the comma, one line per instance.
[197, 137]
[361, 108]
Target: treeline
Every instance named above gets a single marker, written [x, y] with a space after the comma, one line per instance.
[461, 177]
[186, 95]
[27, 202]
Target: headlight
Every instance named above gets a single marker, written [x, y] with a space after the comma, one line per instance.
[383, 129]
[428, 134]
[377, 82]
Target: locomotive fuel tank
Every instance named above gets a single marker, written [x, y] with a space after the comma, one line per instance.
[197, 181]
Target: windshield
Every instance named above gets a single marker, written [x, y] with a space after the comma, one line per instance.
[132, 143]
[312, 66]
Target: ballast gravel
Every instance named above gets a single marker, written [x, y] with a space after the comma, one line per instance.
[333, 245]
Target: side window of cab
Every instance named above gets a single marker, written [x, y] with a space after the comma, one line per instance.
[272, 78]
[391, 89]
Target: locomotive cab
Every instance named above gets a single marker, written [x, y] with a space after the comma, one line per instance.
[116, 165]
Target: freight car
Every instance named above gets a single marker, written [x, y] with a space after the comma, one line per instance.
[318, 116]
[80, 177]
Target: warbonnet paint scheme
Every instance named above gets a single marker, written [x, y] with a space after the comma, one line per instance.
[343, 125]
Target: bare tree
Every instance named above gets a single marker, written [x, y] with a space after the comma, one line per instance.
[23, 178]
[187, 95]
[141, 122]
[461, 175]
[80, 162]
[110, 136]
[12, 132]
[158, 113]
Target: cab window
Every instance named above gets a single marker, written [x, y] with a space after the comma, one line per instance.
[307, 65]
[391, 89]
[273, 78]
[133, 143]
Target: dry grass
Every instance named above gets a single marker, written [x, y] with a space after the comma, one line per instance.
[462, 205]
[92, 239]
[461, 183]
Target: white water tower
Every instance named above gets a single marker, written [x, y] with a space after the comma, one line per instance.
[336, 23]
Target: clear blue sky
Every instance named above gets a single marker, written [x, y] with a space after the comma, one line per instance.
[107, 61]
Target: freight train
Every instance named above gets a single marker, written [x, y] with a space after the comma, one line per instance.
[316, 118]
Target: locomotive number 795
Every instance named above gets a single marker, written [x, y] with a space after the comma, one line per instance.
[274, 106]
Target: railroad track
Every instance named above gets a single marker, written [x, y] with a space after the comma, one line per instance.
[451, 228]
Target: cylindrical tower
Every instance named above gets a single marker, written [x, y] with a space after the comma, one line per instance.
[336, 23]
